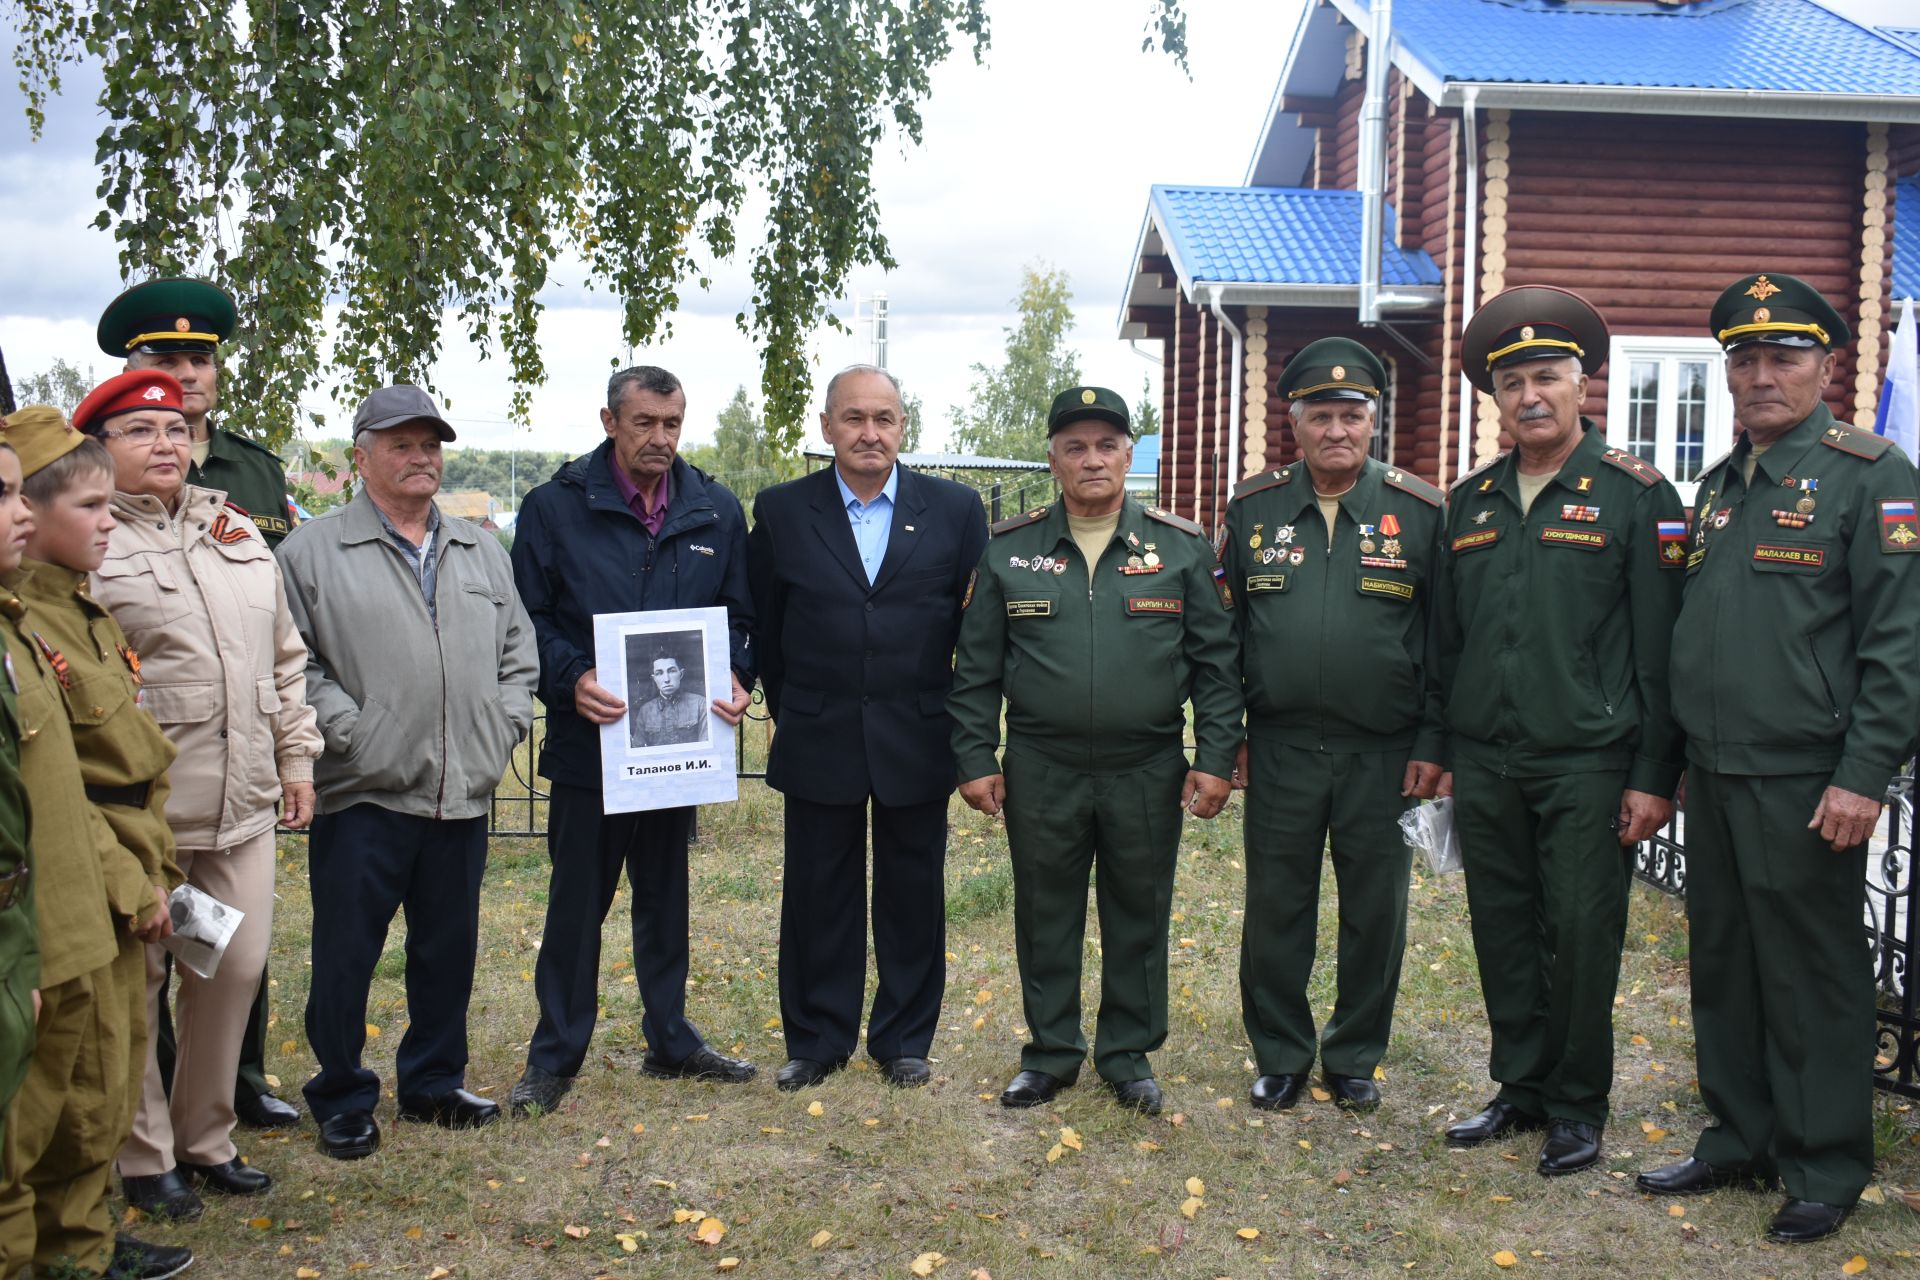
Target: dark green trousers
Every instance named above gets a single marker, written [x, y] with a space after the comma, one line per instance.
[1296, 800]
[1060, 825]
[1547, 889]
[1782, 988]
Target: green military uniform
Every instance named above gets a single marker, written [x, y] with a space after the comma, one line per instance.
[252, 478]
[1095, 677]
[19, 945]
[1794, 669]
[1332, 634]
[175, 315]
[1551, 632]
[71, 1113]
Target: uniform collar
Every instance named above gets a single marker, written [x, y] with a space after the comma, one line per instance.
[1360, 502]
[1585, 461]
[1132, 529]
[1783, 457]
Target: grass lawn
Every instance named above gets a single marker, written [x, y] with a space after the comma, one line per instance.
[854, 1179]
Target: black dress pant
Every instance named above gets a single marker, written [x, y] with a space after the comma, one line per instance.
[823, 928]
[363, 864]
[587, 849]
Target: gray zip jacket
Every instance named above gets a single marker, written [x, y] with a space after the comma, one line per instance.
[420, 718]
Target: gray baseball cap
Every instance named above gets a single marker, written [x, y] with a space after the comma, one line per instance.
[395, 405]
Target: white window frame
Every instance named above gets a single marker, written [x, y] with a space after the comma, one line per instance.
[1669, 351]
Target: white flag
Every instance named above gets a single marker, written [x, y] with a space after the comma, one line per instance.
[1899, 416]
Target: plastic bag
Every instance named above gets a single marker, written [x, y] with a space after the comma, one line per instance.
[1428, 827]
[202, 927]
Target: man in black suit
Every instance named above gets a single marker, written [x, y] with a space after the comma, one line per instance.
[858, 574]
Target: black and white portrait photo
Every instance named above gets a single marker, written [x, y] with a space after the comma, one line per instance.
[667, 698]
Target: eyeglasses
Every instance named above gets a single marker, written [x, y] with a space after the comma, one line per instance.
[141, 437]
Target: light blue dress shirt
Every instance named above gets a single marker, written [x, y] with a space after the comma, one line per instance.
[872, 521]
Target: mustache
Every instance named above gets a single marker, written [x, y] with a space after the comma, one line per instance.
[1536, 413]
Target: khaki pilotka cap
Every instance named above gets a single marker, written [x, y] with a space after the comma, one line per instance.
[40, 434]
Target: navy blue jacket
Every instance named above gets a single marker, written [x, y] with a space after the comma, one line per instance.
[578, 551]
[857, 674]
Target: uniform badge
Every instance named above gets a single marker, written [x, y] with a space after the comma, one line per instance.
[1583, 485]
[973, 580]
[1579, 511]
[1481, 517]
[1059, 566]
[1152, 560]
[1486, 485]
[1283, 535]
[1253, 543]
[1806, 503]
[1721, 517]
[1792, 519]
[1672, 535]
[1762, 288]
[226, 535]
[1015, 562]
[1220, 585]
[56, 660]
[1391, 546]
[1297, 556]
[1367, 545]
[1898, 531]
[131, 657]
[1390, 525]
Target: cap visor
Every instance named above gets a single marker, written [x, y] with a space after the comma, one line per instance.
[400, 420]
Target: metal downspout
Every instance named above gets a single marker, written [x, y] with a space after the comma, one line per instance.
[1468, 285]
[1233, 411]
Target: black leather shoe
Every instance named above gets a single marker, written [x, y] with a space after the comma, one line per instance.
[166, 1196]
[454, 1109]
[704, 1063]
[1278, 1093]
[537, 1092]
[351, 1135]
[908, 1073]
[1499, 1119]
[1031, 1089]
[801, 1072]
[265, 1111]
[1352, 1093]
[1800, 1221]
[1143, 1095]
[1692, 1177]
[138, 1260]
[234, 1178]
[1571, 1146]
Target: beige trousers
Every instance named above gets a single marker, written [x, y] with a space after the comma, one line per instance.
[209, 1018]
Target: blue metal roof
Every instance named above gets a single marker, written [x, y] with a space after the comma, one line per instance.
[1779, 46]
[1906, 238]
[1909, 36]
[1276, 235]
[1146, 456]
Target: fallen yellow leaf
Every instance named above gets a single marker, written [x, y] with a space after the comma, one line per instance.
[1854, 1266]
[306, 1273]
[711, 1230]
[1070, 1138]
[700, 1116]
[373, 1032]
[1248, 1233]
[1305, 1145]
[640, 1128]
[815, 1109]
[1874, 1195]
[1501, 1199]
[1504, 1258]
[728, 1264]
[259, 1224]
[1190, 1206]
[1145, 1145]
[686, 1215]
[820, 1239]
[439, 1273]
[1676, 1211]
[1655, 1135]
[1638, 1039]
[1321, 1095]
[979, 1022]
[627, 1243]
[413, 1233]
[1223, 1103]
[927, 1263]
[577, 1232]
[1195, 1187]
[1055, 1152]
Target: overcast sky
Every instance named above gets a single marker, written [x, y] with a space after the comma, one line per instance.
[1043, 154]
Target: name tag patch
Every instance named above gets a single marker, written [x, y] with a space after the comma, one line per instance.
[1029, 608]
[1813, 557]
[1387, 587]
[1266, 582]
[1589, 539]
[1474, 541]
[1153, 604]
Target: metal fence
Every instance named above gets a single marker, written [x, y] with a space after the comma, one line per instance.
[1890, 897]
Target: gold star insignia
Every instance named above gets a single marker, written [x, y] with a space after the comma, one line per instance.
[1339, 372]
[1086, 397]
[1762, 288]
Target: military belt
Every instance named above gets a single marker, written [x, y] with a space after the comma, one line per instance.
[133, 797]
[13, 887]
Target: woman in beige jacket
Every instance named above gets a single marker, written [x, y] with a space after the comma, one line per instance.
[193, 585]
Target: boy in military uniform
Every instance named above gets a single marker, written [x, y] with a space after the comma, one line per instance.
[1794, 678]
[101, 780]
[1096, 621]
[19, 944]
[1554, 603]
[1331, 559]
[177, 326]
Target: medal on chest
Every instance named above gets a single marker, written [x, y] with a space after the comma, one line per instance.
[56, 660]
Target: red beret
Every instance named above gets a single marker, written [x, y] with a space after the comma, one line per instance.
[136, 389]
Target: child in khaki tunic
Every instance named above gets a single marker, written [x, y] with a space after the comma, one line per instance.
[71, 1117]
